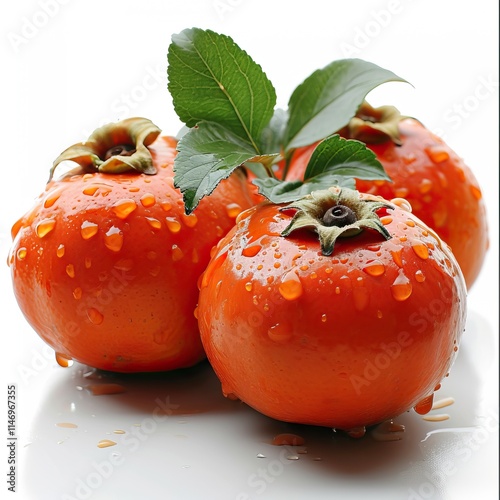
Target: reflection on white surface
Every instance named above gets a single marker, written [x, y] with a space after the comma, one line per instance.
[175, 436]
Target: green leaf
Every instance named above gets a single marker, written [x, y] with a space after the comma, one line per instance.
[278, 191]
[207, 154]
[211, 79]
[346, 158]
[273, 133]
[329, 98]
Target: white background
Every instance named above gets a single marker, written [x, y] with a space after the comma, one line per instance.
[70, 65]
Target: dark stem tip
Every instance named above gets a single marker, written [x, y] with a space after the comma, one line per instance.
[339, 216]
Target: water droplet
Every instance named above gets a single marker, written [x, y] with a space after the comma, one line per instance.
[67, 425]
[386, 220]
[291, 287]
[63, 360]
[441, 417]
[476, 192]
[388, 431]
[356, 432]
[95, 316]
[251, 251]
[52, 198]
[397, 257]
[70, 270]
[105, 443]
[288, 439]
[88, 229]
[402, 203]
[277, 265]
[410, 223]
[123, 208]
[154, 223]
[60, 251]
[148, 200]
[190, 220]
[166, 206]
[233, 210]
[443, 403]
[21, 253]
[292, 457]
[401, 288]
[337, 290]
[113, 239]
[173, 224]
[437, 154]
[419, 276]
[374, 268]
[77, 293]
[420, 249]
[44, 227]
[324, 318]
[425, 405]
[248, 286]
[379, 314]
[119, 431]
[280, 333]
[177, 253]
[260, 455]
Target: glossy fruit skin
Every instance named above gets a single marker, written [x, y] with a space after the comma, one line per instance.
[346, 349]
[121, 299]
[440, 187]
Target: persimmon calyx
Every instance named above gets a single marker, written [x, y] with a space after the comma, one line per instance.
[335, 213]
[115, 148]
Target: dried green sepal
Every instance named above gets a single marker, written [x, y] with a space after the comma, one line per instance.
[311, 210]
[115, 148]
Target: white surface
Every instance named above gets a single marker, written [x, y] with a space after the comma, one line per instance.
[69, 66]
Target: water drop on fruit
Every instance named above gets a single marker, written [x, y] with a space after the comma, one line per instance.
[95, 316]
[52, 198]
[437, 154]
[324, 318]
[386, 220]
[420, 249]
[60, 251]
[402, 203]
[374, 268]
[88, 262]
[77, 293]
[90, 190]
[233, 210]
[21, 253]
[248, 286]
[173, 224]
[70, 270]
[177, 253]
[44, 227]
[88, 229]
[419, 276]
[410, 223]
[291, 287]
[124, 208]
[113, 239]
[166, 206]
[62, 360]
[190, 220]
[401, 288]
[425, 405]
[154, 223]
[148, 200]
[397, 257]
[251, 251]
[279, 333]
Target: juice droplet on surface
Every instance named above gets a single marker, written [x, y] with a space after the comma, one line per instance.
[425, 405]
[177, 253]
[386, 220]
[402, 203]
[388, 431]
[70, 270]
[67, 425]
[21, 253]
[356, 432]
[397, 257]
[251, 250]
[60, 251]
[233, 210]
[401, 288]
[437, 154]
[90, 190]
[324, 318]
[288, 439]
[279, 333]
[124, 208]
[64, 361]
[119, 431]
[105, 443]
[190, 220]
[441, 417]
[95, 316]
[173, 224]
[420, 249]
[44, 227]
[291, 287]
[443, 403]
[419, 276]
[113, 239]
[148, 200]
[248, 286]
[77, 293]
[154, 223]
[88, 229]
[52, 198]
[374, 268]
